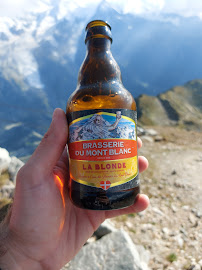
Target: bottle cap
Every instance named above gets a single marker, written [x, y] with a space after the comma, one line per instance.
[98, 29]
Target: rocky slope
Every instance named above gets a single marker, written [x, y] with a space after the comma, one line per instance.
[181, 105]
[171, 228]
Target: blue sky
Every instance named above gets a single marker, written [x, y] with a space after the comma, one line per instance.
[12, 8]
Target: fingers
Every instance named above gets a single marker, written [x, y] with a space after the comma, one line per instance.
[139, 142]
[143, 163]
[141, 203]
[52, 145]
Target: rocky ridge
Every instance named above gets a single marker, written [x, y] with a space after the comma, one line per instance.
[181, 105]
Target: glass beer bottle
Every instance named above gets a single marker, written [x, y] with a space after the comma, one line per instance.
[102, 142]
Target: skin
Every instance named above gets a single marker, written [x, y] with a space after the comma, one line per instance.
[44, 230]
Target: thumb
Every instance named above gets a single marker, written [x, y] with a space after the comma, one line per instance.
[52, 145]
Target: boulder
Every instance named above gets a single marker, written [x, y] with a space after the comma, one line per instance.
[14, 167]
[115, 251]
[7, 190]
[4, 160]
[105, 228]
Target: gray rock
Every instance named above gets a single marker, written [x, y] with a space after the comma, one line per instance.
[179, 241]
[200, 263]
[158, 211]
[166, 231]
[141, 214]
[194, 267]
[147, 138]
[114, 251]
[105, 228]
[129, 225]
[183, 231]
[14, 167]
[147, 227]
[159, 138]
[4, 160]
[196, 212]
[174, 172]
[91, 240]
[192, 218]
[197, 267]
[7, 190]
[144, 256]
[174, 208]
[178, 183]
[186, 207]
[151, 132]
[140, 131]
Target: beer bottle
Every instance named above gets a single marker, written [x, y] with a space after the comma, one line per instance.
[102, 140]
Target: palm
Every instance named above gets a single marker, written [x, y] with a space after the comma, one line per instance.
[50, 227]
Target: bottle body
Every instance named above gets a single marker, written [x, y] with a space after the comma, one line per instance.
[102, 141]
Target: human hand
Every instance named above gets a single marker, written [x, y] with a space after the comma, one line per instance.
[44, 229]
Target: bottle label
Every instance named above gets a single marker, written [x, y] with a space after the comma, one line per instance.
[103, 147]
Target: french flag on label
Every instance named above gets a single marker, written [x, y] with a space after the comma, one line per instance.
[105, 184]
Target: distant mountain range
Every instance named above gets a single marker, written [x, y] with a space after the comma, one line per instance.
[40, 56]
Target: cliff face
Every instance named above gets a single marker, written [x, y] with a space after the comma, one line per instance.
[181, 105]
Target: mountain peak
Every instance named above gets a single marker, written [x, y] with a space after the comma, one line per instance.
[180, 105]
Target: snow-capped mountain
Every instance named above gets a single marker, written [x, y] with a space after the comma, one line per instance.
[41, 52]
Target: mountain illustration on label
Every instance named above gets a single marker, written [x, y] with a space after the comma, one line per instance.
[101, 126]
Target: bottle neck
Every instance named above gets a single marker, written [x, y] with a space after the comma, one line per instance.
[99, 65]
[96, 45]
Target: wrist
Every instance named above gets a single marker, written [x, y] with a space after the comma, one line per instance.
[7, 257]
[14, 260]
[7, 261]
[10, 256]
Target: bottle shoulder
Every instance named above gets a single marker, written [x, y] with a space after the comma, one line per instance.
[100, 66]
[103, 95]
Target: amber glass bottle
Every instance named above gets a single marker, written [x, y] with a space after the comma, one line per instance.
[102, 141]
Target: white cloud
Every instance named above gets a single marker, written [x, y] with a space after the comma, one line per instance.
[10, 126]
[137, 6]
[18, 62]
[67, 8]
[180, 7]
[47, 22]
[18, 8]
[183, 7]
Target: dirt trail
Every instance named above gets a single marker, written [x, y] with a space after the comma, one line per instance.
[178, 159]
[171, 227]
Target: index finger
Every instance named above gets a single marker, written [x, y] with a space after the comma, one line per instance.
[139, 142]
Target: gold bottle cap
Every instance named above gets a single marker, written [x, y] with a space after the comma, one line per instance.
[97, 23]
[98, 29]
